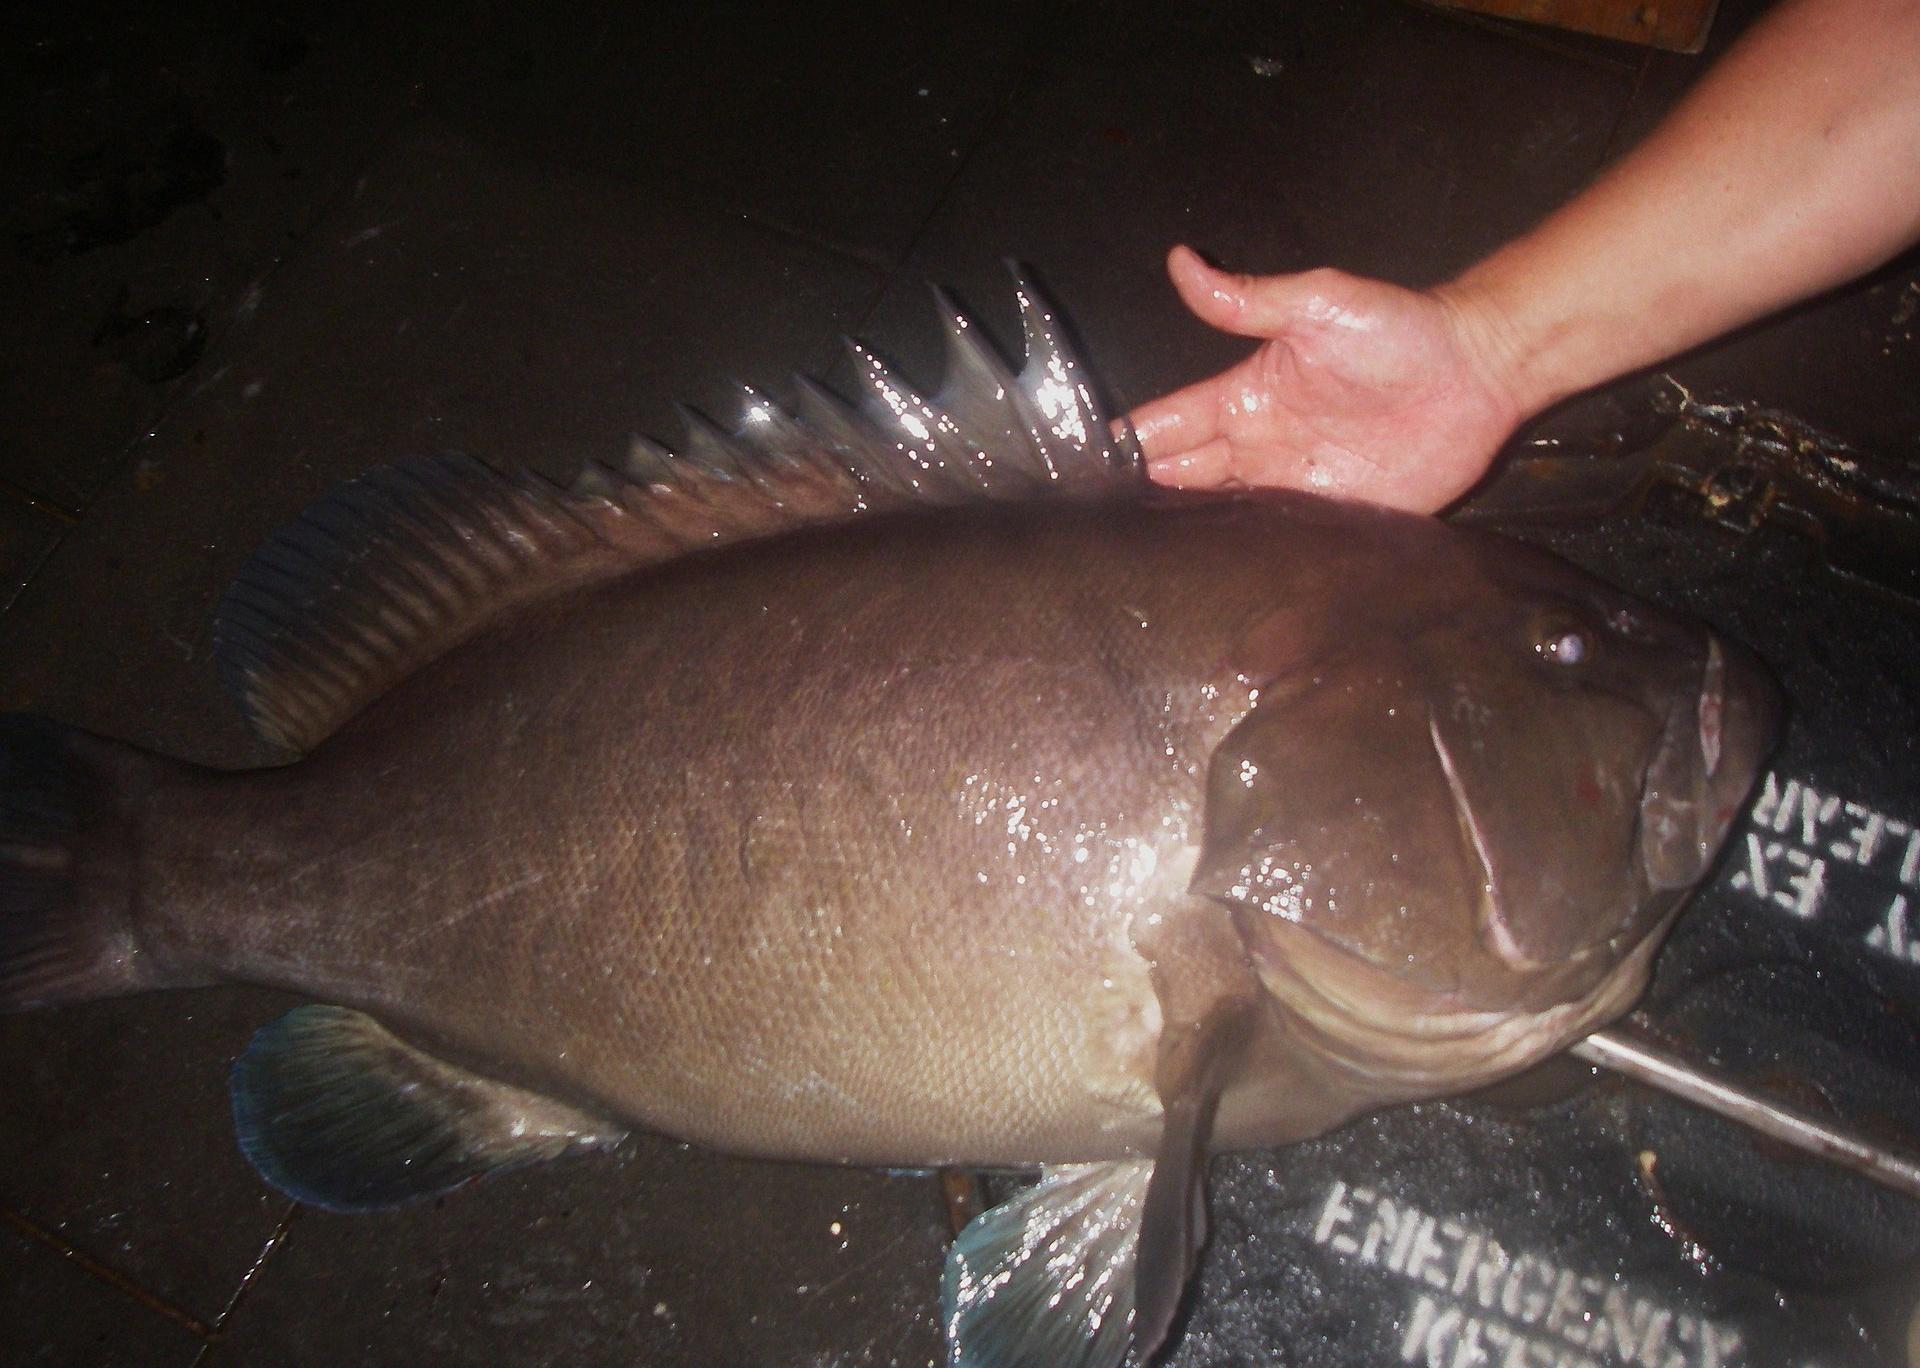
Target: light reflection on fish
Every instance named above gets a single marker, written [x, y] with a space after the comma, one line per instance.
[909, 787]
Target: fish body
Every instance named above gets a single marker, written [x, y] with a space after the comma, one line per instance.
[798, 804]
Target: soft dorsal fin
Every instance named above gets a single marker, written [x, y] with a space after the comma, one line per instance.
[402, 564]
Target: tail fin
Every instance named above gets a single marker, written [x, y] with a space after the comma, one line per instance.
[66, 864]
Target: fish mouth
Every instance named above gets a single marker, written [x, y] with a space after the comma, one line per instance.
[1699, 771]
[1704, 766]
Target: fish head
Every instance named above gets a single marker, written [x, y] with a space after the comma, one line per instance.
[1483, 802]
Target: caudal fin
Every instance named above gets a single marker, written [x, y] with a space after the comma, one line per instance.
[66, 864]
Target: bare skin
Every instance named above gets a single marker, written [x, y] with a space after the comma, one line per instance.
[1792, 167]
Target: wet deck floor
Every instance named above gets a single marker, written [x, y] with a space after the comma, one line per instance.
[255, 252]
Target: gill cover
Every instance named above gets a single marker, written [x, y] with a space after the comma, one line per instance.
[1326, 808]
[1505, 785]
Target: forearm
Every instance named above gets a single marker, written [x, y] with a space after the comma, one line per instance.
[1794, 165]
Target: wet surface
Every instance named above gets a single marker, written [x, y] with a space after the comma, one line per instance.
[1739, 467]
[29, 530]
[606, 1261]
[162, 160]
[77, 1317]
[114, 1156]
[526, 239]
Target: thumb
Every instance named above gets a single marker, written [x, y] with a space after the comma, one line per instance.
[1250, 306]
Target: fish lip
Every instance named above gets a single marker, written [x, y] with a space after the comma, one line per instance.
[1739, 725]
[1699, 736]
[1711, 706]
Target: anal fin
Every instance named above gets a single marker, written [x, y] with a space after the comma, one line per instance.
[336, 1111]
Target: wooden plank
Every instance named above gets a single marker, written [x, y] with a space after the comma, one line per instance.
[1675, 25]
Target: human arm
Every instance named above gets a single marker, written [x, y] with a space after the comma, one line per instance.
[1792, 166]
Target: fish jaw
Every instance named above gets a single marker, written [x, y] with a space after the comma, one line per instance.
[1706, 766]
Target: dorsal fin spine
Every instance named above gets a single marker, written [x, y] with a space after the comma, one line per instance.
[823, 413]
[938, 454]
[710, 450]
[648, 462]
[594, 480]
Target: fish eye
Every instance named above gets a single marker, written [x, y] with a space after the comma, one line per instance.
[1560, 642]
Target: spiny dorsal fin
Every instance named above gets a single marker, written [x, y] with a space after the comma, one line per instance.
[398, 566]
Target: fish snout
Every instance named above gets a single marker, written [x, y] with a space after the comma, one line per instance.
[1740, 712]
[1705, 766]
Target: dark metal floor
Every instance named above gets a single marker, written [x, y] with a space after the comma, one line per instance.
[251, 254]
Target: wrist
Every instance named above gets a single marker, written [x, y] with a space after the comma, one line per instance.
[1497, 345]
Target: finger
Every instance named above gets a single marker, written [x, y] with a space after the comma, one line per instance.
[1180, 421]
[1207, 466]
[1252, 306]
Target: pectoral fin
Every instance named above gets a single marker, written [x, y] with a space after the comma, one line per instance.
[1095, 1257]
[1196, 1060]
[336, 1111]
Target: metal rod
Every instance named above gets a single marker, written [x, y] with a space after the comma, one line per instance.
[1628, 1054]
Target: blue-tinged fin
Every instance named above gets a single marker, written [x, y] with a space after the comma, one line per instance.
[68, 876]
[397, 567]
[336, 1111]
[1095, 1259]
[1046, 1279]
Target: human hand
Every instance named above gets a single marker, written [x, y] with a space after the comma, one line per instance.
[1359, 389]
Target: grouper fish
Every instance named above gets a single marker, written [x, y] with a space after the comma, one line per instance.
[903, 785]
